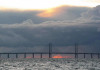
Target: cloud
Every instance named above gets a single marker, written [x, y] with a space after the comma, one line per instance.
[15, 16]
[62, 33]
[55, 14]
[68, 13]
[92, 15]
[98, 29]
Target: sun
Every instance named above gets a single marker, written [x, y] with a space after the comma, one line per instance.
[44, 4]
[60, 56]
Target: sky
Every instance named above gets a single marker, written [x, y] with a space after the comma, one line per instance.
[30, 25]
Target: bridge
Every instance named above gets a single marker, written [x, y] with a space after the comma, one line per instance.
[50, 53]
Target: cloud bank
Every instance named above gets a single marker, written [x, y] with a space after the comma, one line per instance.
[85, 30]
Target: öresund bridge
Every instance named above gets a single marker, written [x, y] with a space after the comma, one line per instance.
[50, 53]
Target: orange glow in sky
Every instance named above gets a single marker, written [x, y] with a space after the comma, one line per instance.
[49, 12]
[60, 56]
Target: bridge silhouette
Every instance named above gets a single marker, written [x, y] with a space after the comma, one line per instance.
[50, 53]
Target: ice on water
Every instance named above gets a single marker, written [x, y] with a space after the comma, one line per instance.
[49, 64]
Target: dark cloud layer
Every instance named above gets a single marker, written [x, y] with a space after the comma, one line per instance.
[64, 13]
[62, 33]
